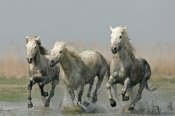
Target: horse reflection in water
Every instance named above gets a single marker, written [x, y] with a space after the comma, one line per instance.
[125, 68]
[39, 69]
[79, 69]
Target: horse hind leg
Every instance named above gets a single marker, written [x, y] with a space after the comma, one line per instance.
[90, 89]
[80, 94]
[54, 83]
[98, 85]
[130, 92]
[138, 96]
[72, 95]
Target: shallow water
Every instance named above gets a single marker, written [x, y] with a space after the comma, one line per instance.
[160, 102]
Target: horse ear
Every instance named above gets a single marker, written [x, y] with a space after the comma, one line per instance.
[63, 44]
[125, 27]
[111, 28]
[27, 39]
[37, 39]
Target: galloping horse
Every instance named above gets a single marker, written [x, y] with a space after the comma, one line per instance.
[125, 68]
[39, 69]
[79, 69]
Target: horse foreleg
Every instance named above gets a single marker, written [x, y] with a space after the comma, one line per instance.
[114, 87]
[108, 86]
[124, 90]
[89, 90]
[80, 93]
[31, 83]
[138, 96]
[43, 93]
[54, 82]
[45, 80]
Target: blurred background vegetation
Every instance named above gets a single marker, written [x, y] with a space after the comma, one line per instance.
[160, 57]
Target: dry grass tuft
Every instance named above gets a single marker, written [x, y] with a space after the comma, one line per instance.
[12, 64]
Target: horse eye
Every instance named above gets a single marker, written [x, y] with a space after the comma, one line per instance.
[120, 37]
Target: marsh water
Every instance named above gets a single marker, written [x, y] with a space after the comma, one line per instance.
[161, 102]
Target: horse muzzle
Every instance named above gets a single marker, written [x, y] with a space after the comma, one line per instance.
[52, 63]
[114, 50]
[30, 60]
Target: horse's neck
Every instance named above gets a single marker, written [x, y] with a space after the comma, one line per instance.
[124, 58]
[38, 61]
[67, 62]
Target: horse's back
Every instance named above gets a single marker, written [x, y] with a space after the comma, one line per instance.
[94, 61]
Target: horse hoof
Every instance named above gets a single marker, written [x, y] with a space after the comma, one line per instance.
[46, 104]
[112, 103]
[45, 94]
[125, 98]
[30, 105]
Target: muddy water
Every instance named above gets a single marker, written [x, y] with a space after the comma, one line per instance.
[161, 101]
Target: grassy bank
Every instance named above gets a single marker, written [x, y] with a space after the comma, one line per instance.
[15, 89]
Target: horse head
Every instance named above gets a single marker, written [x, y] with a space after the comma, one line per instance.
[32, 47]
[117, 38]
[57, 53]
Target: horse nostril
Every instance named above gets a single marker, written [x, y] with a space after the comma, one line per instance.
[115, 49]
[52, 61]
[29, 60]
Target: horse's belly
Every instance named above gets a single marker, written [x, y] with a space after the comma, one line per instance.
[73, 82]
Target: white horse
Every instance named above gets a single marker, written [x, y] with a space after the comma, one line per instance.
[125, 68]
[79, 69]
[39, 69]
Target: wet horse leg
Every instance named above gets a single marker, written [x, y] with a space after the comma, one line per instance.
[43, 93]
[31, 83]
[125, 88]
[130, 91]
[114, 87]
[45, 80]
[80, 93]
[54, 82]
[138, 96]
[109, 84]
[98, 85]
[72, 95]
[90, 89]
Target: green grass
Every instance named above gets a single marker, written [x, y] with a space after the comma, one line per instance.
[13, 93]
[13, 80]
[14, 89]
